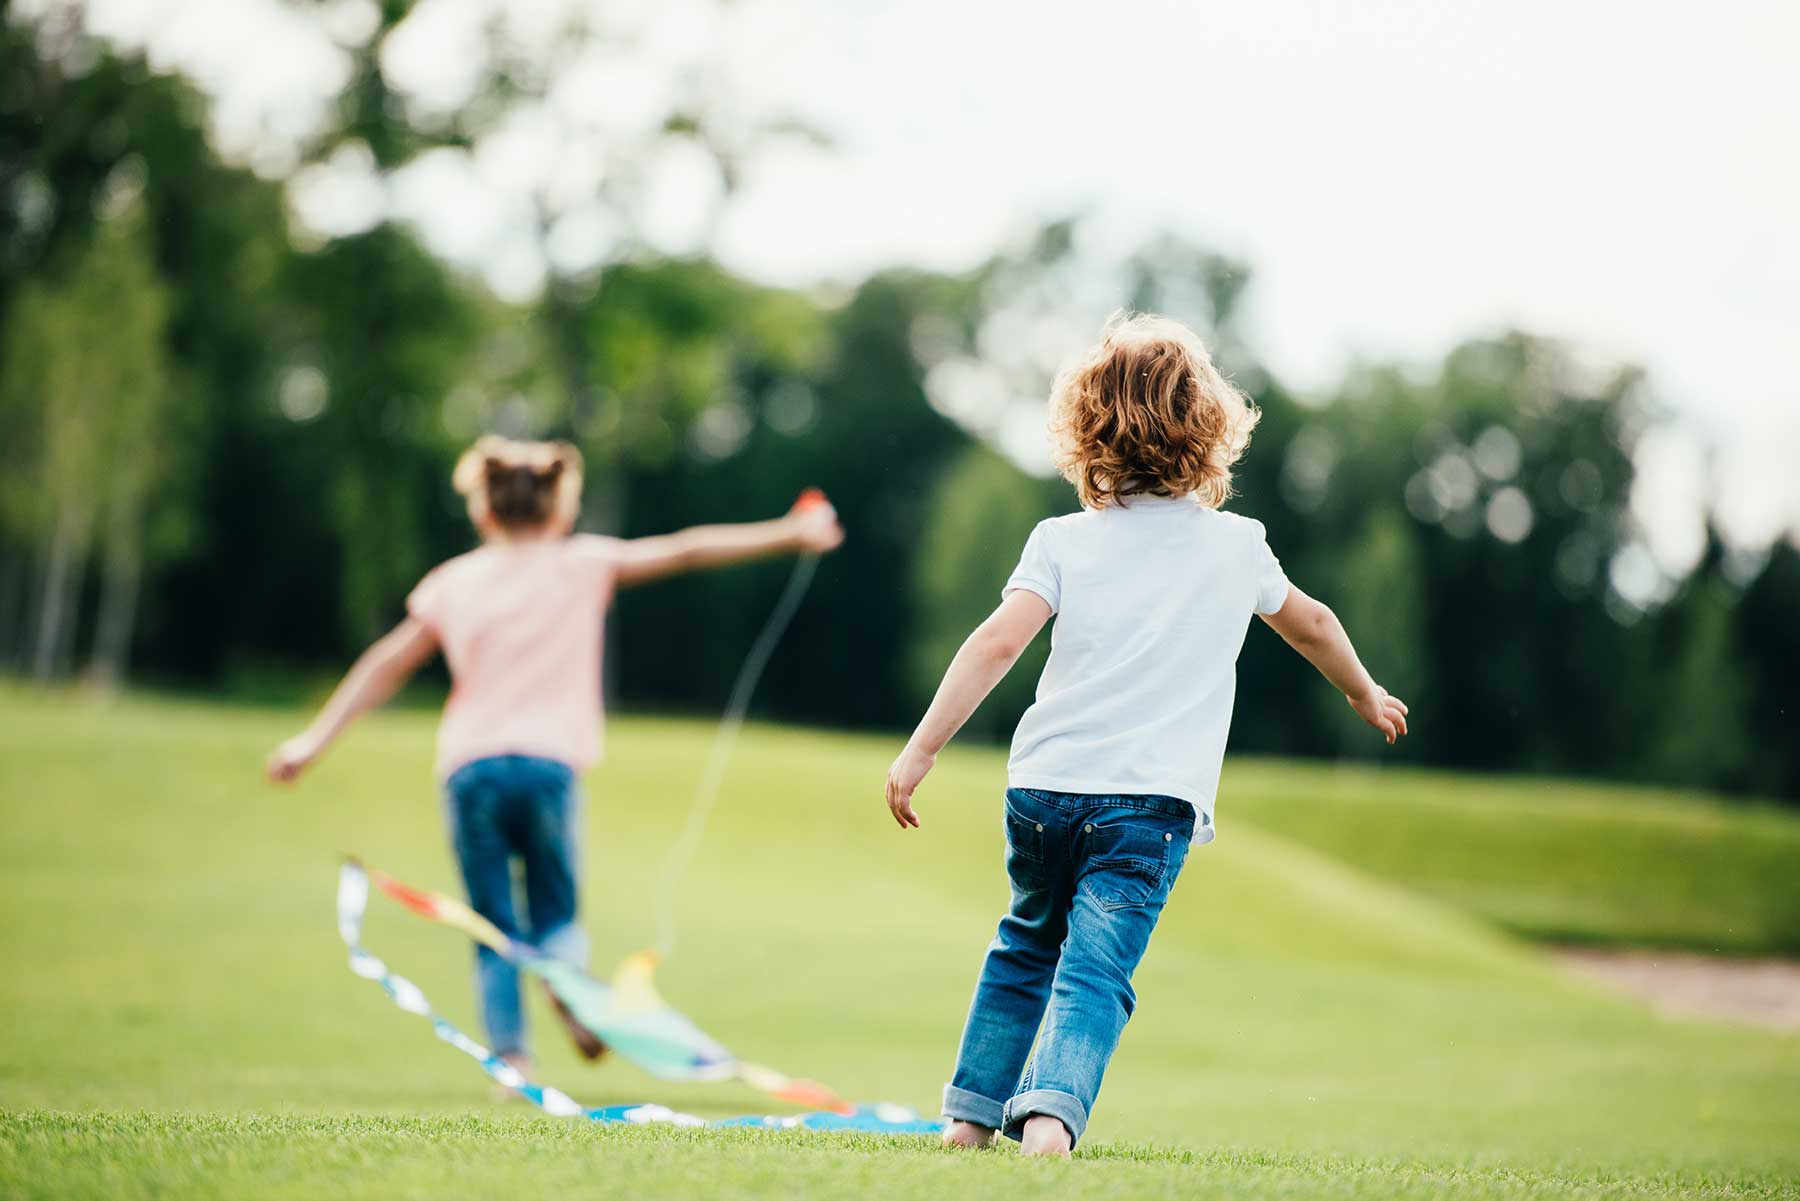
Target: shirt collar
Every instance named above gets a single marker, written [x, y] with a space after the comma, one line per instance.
[1147, 501]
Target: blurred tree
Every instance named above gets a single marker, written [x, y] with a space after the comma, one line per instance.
[137, 419]
[842, 408]
[588, 209]
[981, 513]
[1463, 524]
[93, 417]
[379, 335]
[1700, 724]
[1377, 585]
[1767, 644]
[297, 408]
[83, 133]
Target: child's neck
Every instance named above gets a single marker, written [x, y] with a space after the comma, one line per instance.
[500, 536]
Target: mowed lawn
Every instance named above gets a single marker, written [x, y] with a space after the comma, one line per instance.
[179, 1021]
[1558, 860]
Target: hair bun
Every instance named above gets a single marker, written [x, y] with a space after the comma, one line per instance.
[519, 484]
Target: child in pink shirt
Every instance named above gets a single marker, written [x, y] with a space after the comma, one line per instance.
[519, 620]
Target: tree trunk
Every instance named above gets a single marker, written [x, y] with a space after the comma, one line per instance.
[63, 664]
[562, 314]
[31, 608]
[15, 593]
[118, 598]
[60, 606]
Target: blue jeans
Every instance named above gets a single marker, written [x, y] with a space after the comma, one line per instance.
[517, 807]
[1090, 875]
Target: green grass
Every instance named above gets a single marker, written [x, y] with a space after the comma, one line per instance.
[1551, 859]
[178, 1020]
[305, 1157]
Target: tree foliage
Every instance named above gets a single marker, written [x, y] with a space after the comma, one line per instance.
[254, 433]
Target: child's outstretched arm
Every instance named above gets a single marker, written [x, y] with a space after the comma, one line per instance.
[985, 658]
[1311, 628]
[377, 673]
[807, 527]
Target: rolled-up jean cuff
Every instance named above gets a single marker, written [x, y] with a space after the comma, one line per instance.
[1065, 1107]
[961, 1105]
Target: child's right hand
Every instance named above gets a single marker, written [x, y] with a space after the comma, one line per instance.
[1386, 713]
[903, 778]
[288, 760]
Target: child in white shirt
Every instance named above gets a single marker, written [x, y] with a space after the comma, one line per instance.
[1115, 768]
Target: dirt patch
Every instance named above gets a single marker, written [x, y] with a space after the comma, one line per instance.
[1759, 992]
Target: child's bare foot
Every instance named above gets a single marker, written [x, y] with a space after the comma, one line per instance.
[586, 1041]
[968, 1134]
[1045, 1135]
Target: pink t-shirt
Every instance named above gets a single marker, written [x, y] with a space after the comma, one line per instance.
[520, 625]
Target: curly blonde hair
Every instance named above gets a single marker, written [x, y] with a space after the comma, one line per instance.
[517, 486]
[1145, 411]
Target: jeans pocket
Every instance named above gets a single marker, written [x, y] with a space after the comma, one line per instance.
[1128, 861]
[1026, 862]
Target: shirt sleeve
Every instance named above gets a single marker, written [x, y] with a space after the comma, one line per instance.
[599, 556]
[597, 550]
[1036, 572]
[428, 600]
[1271, 581]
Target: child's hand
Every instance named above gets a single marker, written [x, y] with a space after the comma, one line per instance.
[1386, 713]
[903, 777]
[815, 526]
[288, 760]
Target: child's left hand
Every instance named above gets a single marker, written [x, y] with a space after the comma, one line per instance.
[815, 528]
[903, 777]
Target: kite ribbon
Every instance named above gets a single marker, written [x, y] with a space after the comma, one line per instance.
[352, 903]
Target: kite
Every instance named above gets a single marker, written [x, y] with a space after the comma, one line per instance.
[628, 1014]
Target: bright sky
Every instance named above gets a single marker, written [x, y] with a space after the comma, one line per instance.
[1619, 173]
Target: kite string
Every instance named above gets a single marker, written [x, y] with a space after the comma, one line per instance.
[706, 794]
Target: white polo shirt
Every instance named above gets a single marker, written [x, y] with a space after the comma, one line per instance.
[1152, 602]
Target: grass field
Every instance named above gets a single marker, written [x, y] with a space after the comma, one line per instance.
[1552, 859]
[179, 1021]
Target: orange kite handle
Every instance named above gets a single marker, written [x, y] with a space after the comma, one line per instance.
[811, 498]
